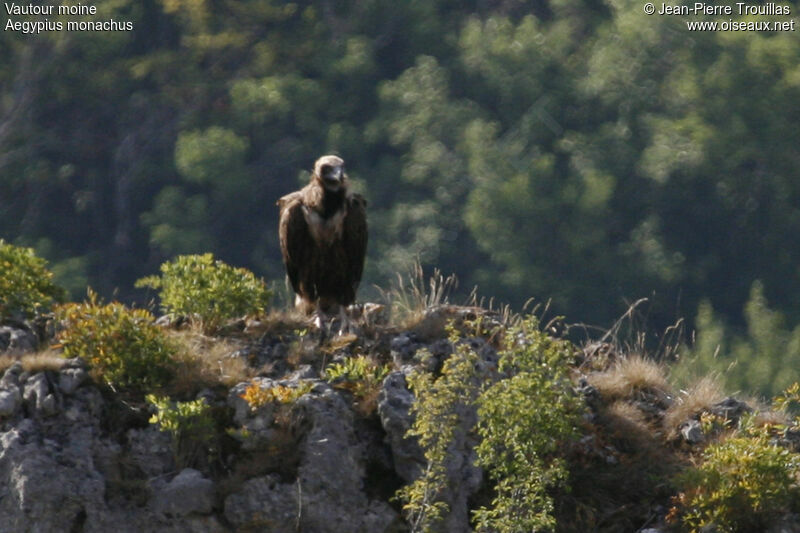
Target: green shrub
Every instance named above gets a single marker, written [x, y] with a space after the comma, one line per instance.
[26, 286]
[191, 427]
[524, 415]
[208, 291]
[743, 484]
[522, 421]
[360, 375]
[439, 423]
[122, 345]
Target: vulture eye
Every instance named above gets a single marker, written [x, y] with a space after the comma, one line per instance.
[326, 169]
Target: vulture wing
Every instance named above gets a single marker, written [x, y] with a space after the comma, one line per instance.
[296, 242]
[354, 237]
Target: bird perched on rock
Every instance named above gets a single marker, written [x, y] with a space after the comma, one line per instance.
[323, 236]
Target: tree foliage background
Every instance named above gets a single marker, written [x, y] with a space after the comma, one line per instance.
[573, 150]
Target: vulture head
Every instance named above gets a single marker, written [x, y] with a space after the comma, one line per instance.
[329, 170]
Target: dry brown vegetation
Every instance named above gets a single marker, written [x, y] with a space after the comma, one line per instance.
[411, 296]
[628, 375]
[202, 361]
[691, 402]
[34, 362]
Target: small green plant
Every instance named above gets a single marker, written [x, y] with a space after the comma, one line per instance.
[191, 426]
[123, 346]
[26, 286]
[523, 420]
[208, 291]
[257, 397]
[360, 375]
[789, 400]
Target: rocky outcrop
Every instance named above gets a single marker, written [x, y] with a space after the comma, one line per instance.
[77, 457]
[17, 339]
[62, 470]
[328, 493]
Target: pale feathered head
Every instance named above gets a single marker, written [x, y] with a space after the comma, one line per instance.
[329, 169]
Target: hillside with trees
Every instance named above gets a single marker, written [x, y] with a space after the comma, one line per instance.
[571, 151]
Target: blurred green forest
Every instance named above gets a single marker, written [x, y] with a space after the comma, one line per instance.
[573, 150]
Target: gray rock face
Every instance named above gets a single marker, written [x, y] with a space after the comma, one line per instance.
[265, 503]
[394, 403]
[692, 432]
[16, 340]
[788, 524]
[188, 493]
[73, 374]
[59, 472]
[150, 451]
[731, 409]
[38, 396]
[403, 348]
[328, 494]
[10, 393]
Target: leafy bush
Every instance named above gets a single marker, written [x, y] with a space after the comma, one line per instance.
[26, 286]
[207, 290]
[440, 412]
[191, 426]
[523, 417]
[360, 375]
[522, 421]
[122, 345]
[743, 484]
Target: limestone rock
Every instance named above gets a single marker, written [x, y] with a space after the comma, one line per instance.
[188, 493]
[10, 394]
[394, 403]
[17, 340]
[264, 503]
[692, 432]
[73, 374]
[731, 409]
[37, 395]
[328, 494]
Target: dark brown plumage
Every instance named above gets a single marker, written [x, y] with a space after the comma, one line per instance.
[323, 236]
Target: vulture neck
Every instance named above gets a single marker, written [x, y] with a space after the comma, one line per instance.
[332, 201]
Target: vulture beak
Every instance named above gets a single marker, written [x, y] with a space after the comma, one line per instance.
[334, 176]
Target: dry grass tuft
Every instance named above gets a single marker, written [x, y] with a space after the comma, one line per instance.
[277, 322]
[34, 362]
[205, 362]
[698, 398]
[410, 296]
[628, 375]
[628, 428]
